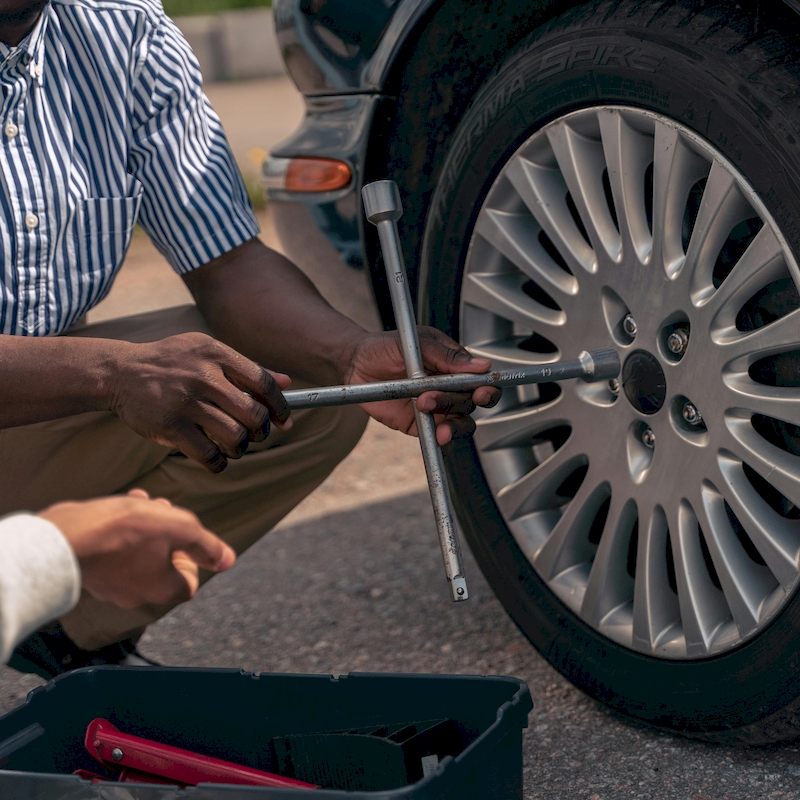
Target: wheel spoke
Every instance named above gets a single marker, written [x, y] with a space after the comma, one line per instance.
[609, 583]
[775, 538]
[506, 353]
[628, 154]
[745, 584]
[702, 604]
[723, 206]
[544, 192]
[655, 604]
[780, 336]
[516, 236]
[503, 295]
[515, 427]
[537, 489]
[568, 542]
[582, 163]
[771, 401]
[762, 263]
[777, 467]
[676, 169]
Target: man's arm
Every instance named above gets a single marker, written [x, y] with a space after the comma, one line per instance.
[50, 378]
[189, 392]
[262, 305]
[258, 302]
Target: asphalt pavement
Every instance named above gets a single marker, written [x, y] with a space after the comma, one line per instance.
[352, 581]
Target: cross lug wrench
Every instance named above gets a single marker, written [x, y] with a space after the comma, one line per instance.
[383, 208]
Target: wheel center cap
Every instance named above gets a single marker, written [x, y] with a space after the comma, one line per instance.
[644, 382]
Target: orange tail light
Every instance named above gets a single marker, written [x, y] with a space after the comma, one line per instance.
[316, 175]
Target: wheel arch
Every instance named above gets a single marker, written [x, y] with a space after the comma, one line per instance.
[428, 82]
[793, 4]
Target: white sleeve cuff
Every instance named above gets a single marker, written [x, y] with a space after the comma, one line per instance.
[40, 578]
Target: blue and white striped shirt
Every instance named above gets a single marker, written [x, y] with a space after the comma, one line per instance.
[104, 122]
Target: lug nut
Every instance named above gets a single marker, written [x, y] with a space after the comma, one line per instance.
[649, 438]
[629, 325]
[692, 415]
[678, 341]
[614, 386]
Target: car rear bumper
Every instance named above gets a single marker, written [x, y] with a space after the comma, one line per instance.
[322, 232]
[335, 127]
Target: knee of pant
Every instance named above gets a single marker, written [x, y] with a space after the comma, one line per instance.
[345, 431]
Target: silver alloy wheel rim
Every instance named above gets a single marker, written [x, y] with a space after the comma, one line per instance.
[676, 539]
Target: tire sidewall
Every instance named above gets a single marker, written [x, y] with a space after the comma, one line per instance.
[575, 64]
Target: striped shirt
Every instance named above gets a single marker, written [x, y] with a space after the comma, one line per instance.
[103, 123]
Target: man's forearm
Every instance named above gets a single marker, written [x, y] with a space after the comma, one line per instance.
[45, 379]
[259, 303]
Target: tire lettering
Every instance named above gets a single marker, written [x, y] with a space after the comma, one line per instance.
[581, 55]
[461, 148]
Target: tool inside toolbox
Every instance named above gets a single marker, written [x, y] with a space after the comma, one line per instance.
[377, 757]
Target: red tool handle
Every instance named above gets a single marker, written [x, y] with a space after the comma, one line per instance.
[112, 748]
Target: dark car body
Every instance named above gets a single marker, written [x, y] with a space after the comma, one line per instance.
[353, 59]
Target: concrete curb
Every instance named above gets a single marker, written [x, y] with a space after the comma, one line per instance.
[234, 45]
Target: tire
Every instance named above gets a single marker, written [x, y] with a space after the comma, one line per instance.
[641, 563]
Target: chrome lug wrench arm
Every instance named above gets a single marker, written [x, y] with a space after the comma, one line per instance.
[383, 208]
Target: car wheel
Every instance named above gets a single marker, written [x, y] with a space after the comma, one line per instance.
[629, 177]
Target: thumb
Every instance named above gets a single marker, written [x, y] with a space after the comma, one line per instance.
[188, 570]
[443, 355]
[186, 534]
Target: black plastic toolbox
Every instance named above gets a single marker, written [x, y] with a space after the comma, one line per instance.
[239, 717]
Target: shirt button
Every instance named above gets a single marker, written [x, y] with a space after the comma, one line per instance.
[11, 130]
[32, 221]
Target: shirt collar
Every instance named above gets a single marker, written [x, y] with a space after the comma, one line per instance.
[30, 51]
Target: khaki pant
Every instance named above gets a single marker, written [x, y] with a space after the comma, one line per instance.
[95, 454]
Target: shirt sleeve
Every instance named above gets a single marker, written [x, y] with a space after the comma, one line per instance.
[195, 206]
[40, 578]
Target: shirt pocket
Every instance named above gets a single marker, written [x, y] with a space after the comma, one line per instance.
[104, 230]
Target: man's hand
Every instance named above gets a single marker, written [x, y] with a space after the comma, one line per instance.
[197, 395]
[133, 550]
[378, 357]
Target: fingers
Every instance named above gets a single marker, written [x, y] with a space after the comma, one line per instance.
[265, 386]
[194, 444]
[448, 429]
[176, 581]
[451, 429]
[443, 355]
[451, 411]
[189, 572]
[445, 403]
[487, 396]
[230, 436]
[188, 536]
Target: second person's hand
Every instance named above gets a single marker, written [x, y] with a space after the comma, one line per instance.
[133, 551]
